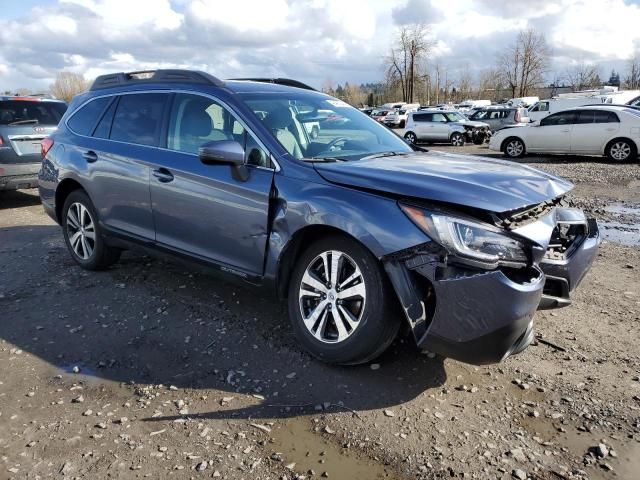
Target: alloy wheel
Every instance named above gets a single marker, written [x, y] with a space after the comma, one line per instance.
[411, 137]
[620, 151]
[457, 140]
[332, 296]
[514, 148]
[81, 230]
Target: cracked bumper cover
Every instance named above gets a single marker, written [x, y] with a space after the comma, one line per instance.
[565, 274]
[477, 317]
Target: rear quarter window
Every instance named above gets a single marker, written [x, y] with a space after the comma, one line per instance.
[85, 118]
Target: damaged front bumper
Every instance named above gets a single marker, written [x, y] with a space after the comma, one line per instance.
[473, 316]
[483, 316]
[573, 248]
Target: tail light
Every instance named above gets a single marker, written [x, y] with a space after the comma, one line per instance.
[45, 146]
[1, 141]
[517, 117]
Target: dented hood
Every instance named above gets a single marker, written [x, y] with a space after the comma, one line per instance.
[479, 182]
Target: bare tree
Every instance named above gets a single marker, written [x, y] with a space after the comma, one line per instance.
[464, 88]
[67, 85]
[328, 86]
[23, 92]
[632, 80]
[582, 76]
[354, 95]
[525, 62]
[491, 83]
[410, 48]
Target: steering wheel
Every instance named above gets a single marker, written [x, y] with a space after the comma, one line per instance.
[334, 142]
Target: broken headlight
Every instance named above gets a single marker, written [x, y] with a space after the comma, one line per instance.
[469, 239]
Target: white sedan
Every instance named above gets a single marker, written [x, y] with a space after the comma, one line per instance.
[613, 131]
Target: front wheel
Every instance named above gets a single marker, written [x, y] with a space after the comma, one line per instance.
[82, 233]
[457, 140]
[340, 303]
[411, 138]
[514, 148]
[621, 150]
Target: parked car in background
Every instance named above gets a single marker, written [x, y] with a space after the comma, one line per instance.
[431, 126]
[379, 115]
[541, 109]
[398, 118]
[500, 117]
[367, 110]
[359, 232]
[634, 102]
[468, 105]
[522, 101]
[613, 131]
[24, 123]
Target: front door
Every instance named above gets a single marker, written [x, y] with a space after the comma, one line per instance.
[553, 134]
[206, 210]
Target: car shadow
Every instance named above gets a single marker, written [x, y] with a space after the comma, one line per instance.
[18, 198]
[146, 321]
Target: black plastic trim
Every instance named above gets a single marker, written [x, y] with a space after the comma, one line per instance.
[156, 76]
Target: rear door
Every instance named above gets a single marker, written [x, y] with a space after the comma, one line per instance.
[592, 131]
[552, 135]
[207, 211]
[117, 140]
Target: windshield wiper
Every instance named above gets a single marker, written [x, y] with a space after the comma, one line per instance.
[384, 154]
[324, 159]
[22, 122]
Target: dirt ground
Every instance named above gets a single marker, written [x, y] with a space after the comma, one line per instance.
[152, 369]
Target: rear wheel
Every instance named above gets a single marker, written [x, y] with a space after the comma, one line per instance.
[621, 150]
[411, 137]
[340, 303]
[457, 140]
[83, 235]
[513, 148]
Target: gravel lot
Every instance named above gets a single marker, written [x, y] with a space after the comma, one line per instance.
[152, 369]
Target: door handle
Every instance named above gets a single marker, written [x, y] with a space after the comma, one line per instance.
[163, 175]
[90, 156]
[611, 129]
[565, 131]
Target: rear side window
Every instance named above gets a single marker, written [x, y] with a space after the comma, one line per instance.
[31, 112]
[605, 117]
[85, 118]
[103, 129]
[585, 116]
[421, 117]
[138, 118]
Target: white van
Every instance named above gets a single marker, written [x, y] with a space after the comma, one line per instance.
[541, 109]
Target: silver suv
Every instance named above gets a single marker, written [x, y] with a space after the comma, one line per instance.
[442, 126]
[499, 118]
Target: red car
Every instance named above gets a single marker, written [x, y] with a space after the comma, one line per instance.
[378, 115]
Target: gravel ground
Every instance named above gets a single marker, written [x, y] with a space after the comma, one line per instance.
[152, 369]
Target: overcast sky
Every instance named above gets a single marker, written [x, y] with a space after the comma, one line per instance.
[309, 40]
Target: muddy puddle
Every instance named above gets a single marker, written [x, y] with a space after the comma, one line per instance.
[624, 226]
[626, 465]
[296, 442]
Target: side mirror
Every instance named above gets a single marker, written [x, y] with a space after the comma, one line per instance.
[222, 152]
[225, 152]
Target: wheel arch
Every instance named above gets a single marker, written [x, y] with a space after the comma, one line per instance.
[297, 245]
[512, 137]
[63, 190]
[618, 138]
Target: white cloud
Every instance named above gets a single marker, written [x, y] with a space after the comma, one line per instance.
[305, 39]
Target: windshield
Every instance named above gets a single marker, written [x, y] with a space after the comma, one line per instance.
[455, 117]
[16, 112]
[316, 126]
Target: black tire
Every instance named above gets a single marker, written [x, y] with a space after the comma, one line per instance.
[411, 138]
[315, 131]
[378, 317]
[513, 147]
[621, 150]
[98, 254]
[457, 139]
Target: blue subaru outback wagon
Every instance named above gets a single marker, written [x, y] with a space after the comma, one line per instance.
[358, 230]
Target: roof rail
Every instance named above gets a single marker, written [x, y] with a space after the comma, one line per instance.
[280, 81]
[155, 76]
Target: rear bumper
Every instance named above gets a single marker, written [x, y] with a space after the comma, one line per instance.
[13, 177]
[564, 275]
[477, 317]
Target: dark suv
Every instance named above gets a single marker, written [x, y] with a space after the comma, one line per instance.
[355, 228]
[24, 122]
